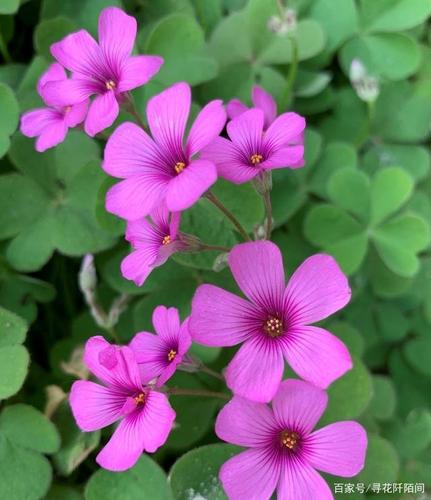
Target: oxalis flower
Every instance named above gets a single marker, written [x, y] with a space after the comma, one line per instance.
[51, 124]
[253, 148]
[105, 69]
[162, 169]
[145, 415]
[284, 452]
[153, 242]
[159, 355]
[273, 323]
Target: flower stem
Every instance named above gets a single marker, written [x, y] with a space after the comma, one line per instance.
[177, 391]
[268, 208]
[213, 373]
[217, 248]
[215, 201]
[130, 107]
[291, 76]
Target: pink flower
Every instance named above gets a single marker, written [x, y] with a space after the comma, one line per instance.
[153, 242]
[145, 414]
[106, 70]
[273, 323]
[50, 125]
[258, 140]
[159, 355]
[162, 169]
[284, 452]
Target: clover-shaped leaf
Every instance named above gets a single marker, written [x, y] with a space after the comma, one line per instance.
[8, 117]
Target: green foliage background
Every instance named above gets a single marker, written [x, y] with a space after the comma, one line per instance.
[364, 197]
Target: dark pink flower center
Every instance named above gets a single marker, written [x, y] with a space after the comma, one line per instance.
[290, 440]
[179, 167]
[273, 326]
[139, 399]
[171, 354]
[256, 158]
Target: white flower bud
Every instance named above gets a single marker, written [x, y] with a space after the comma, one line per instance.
[284, 25]
[366, 86]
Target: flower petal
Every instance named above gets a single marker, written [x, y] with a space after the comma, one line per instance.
[102, 113]
[167, 115]
[158, 416]
[76, 114]
[317, 289]
[130, 151]
[138, 70]
[283, 129]
[166, 322]
[264, 101]
[258, 269]
[135, 197]
[235, 108]
[220, 318]
[62, 93]
[338, 448]
[54, 73]
[291, 157]
[251, 475]
[186, 188]
[185, 338]
[35, 121]
[151, 353]
[246, 131]
[228, 160]
[316, 355]
[113, 365]
[256, 370]
[207, 126]
[245, 423]
[95, 406]
[299, 481]
[299, 405]
[138, 265]
[79, 52]
[51, 136]
[117, 33]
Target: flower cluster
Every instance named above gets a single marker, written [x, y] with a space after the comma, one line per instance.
[163, 171]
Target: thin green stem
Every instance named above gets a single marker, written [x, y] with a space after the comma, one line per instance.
[178, 391]
[268, 209]
[4, 50]
[291, 76]
[217, 248]
[112, 332]
[216, 202]
[130, 107]
[213, 373]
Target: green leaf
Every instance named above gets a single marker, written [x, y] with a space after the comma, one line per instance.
[394, 15]
[145, 480]
[27, 427]
[9, 6]
[349, 189]
[382, 404]
[390, 189]
[412, 436]
[50, 31]
[24, 474]
[395, 56]
[417, 352]
[195, 474]
[14, 361]
[414, 159]
[338, 18]
[13, 328]
[349, 335]
[335, 231]
[180, 40]
[8, 117]
[399, 240]
[381, 462]
[392, 323]
[350, 395]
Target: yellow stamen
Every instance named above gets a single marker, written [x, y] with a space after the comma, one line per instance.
[67, 109]
[110, 85]
[273, 327]
[179, 167]
[166, 240]
[140, 399]
[289, 439]
[256, 158]
[171, 355]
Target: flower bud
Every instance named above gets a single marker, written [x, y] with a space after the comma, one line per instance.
[87, 275]
[283, 25]
[366, 86]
